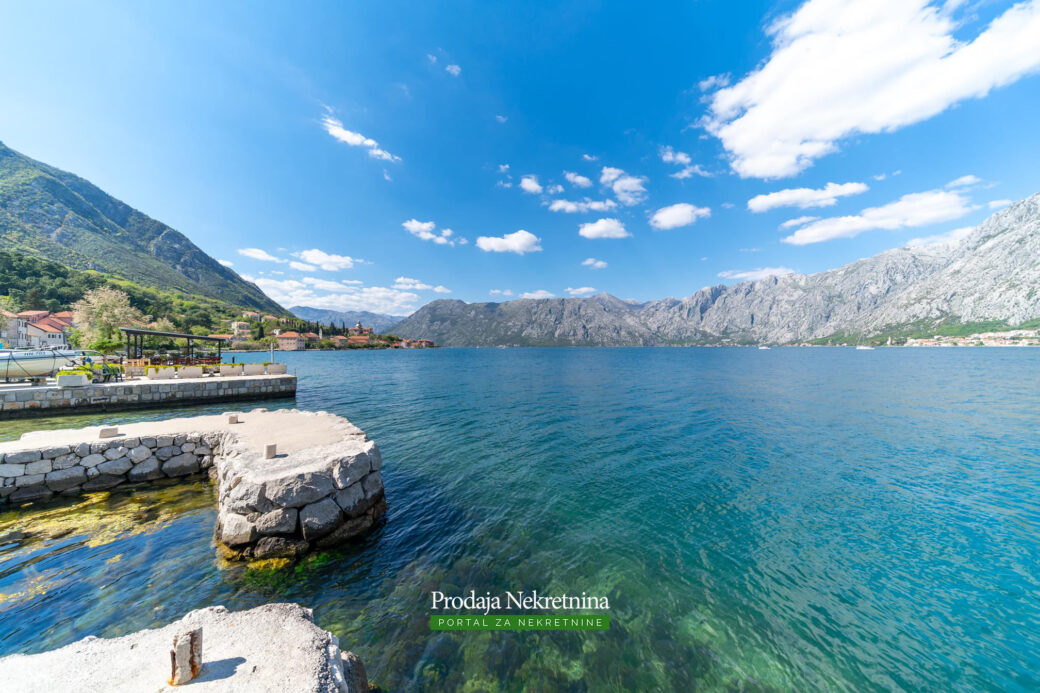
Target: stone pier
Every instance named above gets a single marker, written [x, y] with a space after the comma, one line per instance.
[275, 647]
[322, 486]
[22, 401]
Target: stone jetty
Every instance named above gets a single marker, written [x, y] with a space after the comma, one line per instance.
[288, 480]
[275, 647]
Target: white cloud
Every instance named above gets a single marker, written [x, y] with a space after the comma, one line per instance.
[518, 242]
[756, 274]
[681, 214]
[503, 168]
[431, 57]
[589, 157]
[378, 299]
[301, 266]
[751, 250]
[530, 184]
[453, 70]
[964, 182]
[915, 209]
[603, 228]
[501, 292]
[554, 189]
[797, 221]
[593, 263]
[386, 175]
[501, 118]
[410, 284]
[327, 261]
[581, 291]
[586, 205]
[326, 284]
[993, 204]
[577, 179]
[226, 263]
[838, 69]
[355, 139]
[540, 293]
[629, 190]
[424, 230]
[955, 236]
[804, 198]
[504, 184]
[714, 82]
[670, 156]
[257, 254]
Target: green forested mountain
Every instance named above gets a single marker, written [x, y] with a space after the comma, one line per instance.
[57, 216]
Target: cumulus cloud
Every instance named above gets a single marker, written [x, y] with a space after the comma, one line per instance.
[714, 82]
[681, 214]
[518, 242]
[756, 274]
[258, 254]
[378, 299]
[581, 291]
[952, 237]
[530, 184]
[410, 284]
[797, 221]
[804, 198]
[915, 209]
[993, 204]
[501, 292]
[503, 168]
[689, 169]
[589, 157]
[425, 230]
[453, 70]
[301, 266]
[226, 263]
[629, 190]
[964, 182]
[328, 284]
[603, 228]
[554, 189]
[326, 261]
[540, 293]
[355, 139]
[577, 179]
[593, 263]
[838, 69]
[586, 205]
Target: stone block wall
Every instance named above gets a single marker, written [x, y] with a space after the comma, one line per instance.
[67, 470]
[28, 401]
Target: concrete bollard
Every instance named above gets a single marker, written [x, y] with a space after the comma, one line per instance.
[232, 418]
[186, 657]
[108, 432]
[270, 451]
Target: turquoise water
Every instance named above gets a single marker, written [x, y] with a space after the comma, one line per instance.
[783, 520]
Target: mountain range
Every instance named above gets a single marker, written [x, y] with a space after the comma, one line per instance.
[990, 278]
[60, 217]
[349, 318]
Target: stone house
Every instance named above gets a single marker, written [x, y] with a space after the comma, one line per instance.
[13, 330]
[291, 341]
[42, 334]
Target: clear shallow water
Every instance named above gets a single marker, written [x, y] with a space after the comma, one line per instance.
[779, 520]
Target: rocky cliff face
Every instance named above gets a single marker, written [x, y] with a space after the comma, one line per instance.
[993, 274]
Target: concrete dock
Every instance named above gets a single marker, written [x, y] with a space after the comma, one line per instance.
[22, 400]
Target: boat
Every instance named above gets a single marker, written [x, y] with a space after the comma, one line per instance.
[37, 363]
[864, 347]
[764, 348]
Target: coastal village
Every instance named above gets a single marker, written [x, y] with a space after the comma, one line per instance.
[252, 331]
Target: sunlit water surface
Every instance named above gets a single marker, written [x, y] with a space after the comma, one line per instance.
[784, 520]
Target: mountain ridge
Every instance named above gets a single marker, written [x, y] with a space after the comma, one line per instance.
[993, 274]
[58, 216]
[347, 318]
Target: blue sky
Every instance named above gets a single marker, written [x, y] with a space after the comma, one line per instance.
[324, 148]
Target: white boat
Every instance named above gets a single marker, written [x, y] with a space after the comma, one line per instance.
[864, 347]
[30, 363]
[764, 348]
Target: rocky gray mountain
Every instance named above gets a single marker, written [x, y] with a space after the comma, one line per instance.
[991, 275]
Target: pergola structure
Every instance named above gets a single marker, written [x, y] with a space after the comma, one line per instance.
[135, 341]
